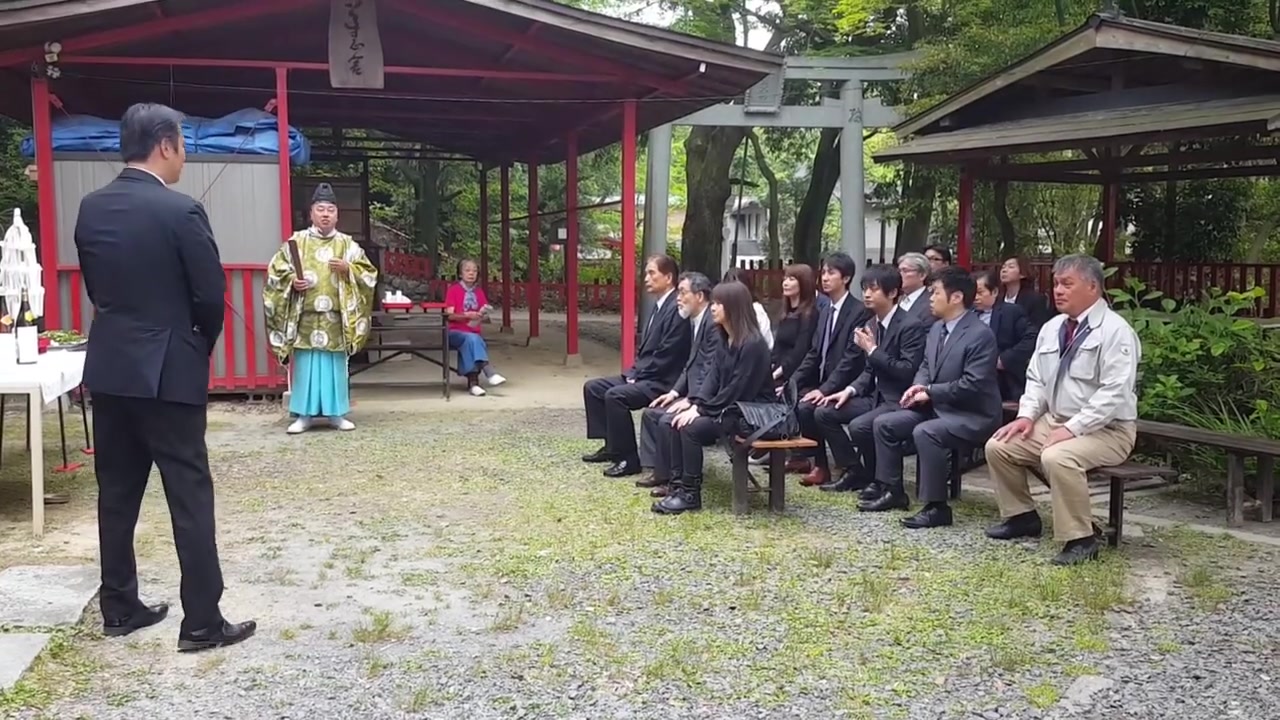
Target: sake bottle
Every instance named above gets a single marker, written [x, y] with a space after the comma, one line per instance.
[26, 334]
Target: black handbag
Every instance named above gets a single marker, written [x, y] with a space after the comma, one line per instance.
[771, 420]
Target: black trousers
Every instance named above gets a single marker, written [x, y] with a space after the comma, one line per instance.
[609, 402]
[133, 433]
[682, 450]
[831, 422]
[806, 413]
[862, 436]
[653, 444]
[933, 440]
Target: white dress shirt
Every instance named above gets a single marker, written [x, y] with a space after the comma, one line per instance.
[766, 328]
[1100, 385]
[906, 301]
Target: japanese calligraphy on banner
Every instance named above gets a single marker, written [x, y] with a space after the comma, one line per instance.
[355, 49]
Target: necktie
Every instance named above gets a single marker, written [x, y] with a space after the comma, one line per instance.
[942, 343]
[880, 328]
[1068, 335]
[826, 341]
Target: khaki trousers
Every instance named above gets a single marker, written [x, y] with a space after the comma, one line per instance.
[1065, 464]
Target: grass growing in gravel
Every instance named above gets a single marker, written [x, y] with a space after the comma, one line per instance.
[486, 529]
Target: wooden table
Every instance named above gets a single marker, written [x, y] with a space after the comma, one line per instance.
[424, 333]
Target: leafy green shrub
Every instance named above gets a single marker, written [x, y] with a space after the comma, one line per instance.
[1204, 365]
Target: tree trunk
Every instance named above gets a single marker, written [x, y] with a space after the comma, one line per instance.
[919, 192]
[811, 216]
[1008, 236]
[775, 210]
[710, 152]
[426, 216]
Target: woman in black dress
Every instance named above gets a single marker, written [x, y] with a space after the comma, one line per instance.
[1017, 286]
[741, 374]
[794, 332]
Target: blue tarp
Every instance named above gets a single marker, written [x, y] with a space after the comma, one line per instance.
[244, 132]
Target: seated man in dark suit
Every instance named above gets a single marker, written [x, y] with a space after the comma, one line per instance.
[693, 296]
[833, 360]
[894, 345]
[954, 403]
[663, 350]
[1015, 335]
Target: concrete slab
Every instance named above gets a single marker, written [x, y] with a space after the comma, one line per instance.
[38, 596]
[17, 652]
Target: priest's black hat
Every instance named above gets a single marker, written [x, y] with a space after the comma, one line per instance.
[324, 193]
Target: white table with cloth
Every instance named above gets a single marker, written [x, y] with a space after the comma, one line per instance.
[57, 373]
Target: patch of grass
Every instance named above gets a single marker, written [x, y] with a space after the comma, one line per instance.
[381, 627]
[1203, 585]
[510, 618]
[375, 666]
[64, 669]
[1043, 695]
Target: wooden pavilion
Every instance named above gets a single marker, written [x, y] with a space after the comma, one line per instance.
[494, 81]
[1109, 104]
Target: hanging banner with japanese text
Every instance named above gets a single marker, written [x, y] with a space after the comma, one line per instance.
[355, 49]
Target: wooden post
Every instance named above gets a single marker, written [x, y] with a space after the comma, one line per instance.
[572, 357]
[628, 233]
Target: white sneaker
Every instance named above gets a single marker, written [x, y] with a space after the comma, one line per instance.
[343, 424]
[495, 380]
[477, 391]
[301, 425]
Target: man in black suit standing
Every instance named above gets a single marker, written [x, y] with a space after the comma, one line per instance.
[151, 269]
[693, 297]
[953, 403]
[1015, 334]
[664, 349]
[833, 360]
[894, 345]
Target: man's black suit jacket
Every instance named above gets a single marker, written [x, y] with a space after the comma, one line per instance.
[892, 366]
[152, 271]
[664, 347]
[703, 357]
[844, 359]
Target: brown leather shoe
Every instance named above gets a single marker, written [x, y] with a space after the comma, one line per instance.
[817, 476]
[799, 466]
[649, 481]
[660, 491]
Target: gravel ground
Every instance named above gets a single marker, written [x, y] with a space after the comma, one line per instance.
[470, 566]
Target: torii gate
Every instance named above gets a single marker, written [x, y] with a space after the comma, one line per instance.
[853, 112]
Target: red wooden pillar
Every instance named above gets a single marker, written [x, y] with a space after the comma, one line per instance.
[504, 182]
[534, 288]
[484, 229]
[1110, 196]
[46, 199]
[282, 127]
[628, 233]
[571, 248]
[964, 236]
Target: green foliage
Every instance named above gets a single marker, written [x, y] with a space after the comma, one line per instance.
[1199, 220]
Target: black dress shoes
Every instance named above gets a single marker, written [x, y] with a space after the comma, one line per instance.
[624, 468]
[679, 501]
[872, 491]
[1079, 551]
[146, 617]
[650, 481]
[1026, 525]
[848, 482]
[217, 636]
[894, 499]
[600, 456]
[933, 515]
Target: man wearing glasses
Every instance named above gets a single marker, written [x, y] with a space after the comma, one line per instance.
[914, 268]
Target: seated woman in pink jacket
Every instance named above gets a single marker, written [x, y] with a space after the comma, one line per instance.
[467, 307]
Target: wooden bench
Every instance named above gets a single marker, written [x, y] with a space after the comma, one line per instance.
[744, 483]
[424, 335]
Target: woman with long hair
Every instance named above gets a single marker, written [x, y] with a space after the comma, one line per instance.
[467, 307]
[741, 374]
[798, 323]
[762, 317]
[1017, 287]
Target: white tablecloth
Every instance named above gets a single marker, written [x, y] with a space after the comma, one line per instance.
[57, 373]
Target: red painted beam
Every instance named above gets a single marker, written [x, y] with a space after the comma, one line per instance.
[484, 230]
[486, 73]
[282, 127]
[533, 286]
[571, 245]
[628, 233]
[546, 48]
[504, 181]
[159, 27]
[46, 199]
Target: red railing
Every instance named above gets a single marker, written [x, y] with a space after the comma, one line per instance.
[241, 361]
